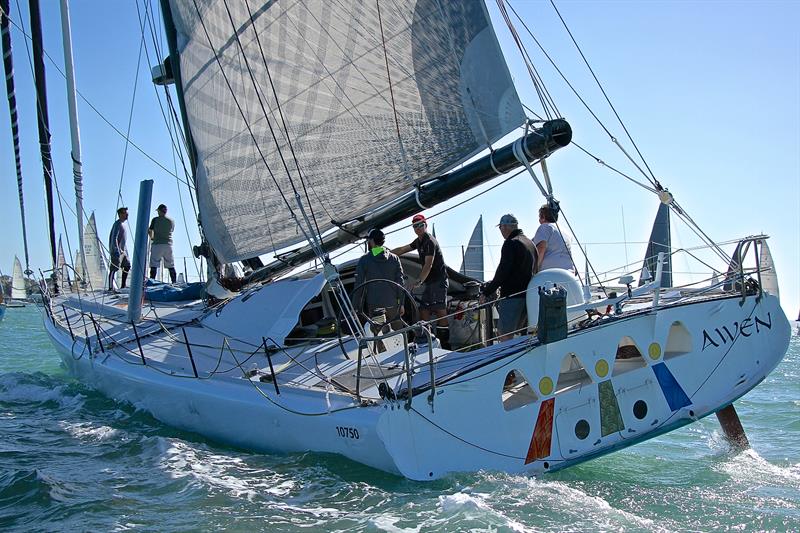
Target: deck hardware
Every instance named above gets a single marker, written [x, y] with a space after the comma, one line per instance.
[97, 332]
[139, 343]
[756, 244]
[409, 374]
[189, 350]
[361, 345]
[271, 369]
[69, 326]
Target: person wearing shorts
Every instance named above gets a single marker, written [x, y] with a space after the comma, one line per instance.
[160, 230]
[432, 279]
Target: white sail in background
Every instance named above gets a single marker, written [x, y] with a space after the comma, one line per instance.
[472, 264]
[95, 264]
[363, 132]
[18, 287]
[769, 277]
[60, 263]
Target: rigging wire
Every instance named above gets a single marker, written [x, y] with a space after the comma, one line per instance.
[176, 134]
[120, 200]
[310, 236]
[12, 108]
[658, 189]
[548, 104]
[278, 107]
[577, 94]
[97, 111]
[600, 86]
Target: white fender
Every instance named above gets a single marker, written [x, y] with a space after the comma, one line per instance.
[548, 278]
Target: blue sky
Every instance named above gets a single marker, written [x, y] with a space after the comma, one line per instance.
[710, 92]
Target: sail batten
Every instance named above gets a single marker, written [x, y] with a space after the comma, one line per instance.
[451, 93]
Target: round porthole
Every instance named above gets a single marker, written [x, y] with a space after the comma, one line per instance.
[640, 409]
[582, 429]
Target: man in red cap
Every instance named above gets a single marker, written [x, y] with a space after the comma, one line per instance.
[433, 277]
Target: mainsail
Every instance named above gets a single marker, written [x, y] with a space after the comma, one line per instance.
[96, 266]
[18, 288]
[375, 98]
[472, 263]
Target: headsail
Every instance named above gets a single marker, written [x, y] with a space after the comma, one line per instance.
[18, 288]
[660, 241]
[95, 265]
[472, 263]
[358, 141]
[61, 263]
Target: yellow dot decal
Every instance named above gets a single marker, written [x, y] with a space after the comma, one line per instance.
[601, 367]
[546, 385]
[654, 350]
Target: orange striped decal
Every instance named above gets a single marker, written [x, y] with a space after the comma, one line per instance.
[542, 433]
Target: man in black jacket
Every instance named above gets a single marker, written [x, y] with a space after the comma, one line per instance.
[518, 261]
[379, 282]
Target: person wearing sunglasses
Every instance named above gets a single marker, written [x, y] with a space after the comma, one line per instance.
[433, 278]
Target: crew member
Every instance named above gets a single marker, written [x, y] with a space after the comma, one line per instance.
[379, 282]
[553, 249]
[518, 261]
[118, 249]
[160, 231]
[433, 277]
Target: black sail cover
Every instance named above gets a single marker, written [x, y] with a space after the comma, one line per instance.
[451, 94]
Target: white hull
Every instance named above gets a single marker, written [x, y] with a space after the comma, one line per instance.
[714, 350]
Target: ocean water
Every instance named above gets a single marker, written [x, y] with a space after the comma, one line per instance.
[73, 460]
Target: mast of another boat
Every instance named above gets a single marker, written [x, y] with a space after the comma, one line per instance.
[72, 101]
[44, 127]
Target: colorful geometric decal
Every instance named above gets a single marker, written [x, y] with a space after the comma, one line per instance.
[654, 350]
[610, 417]
[601, 367]
[546, 386]
[542, 433]
[673, 392]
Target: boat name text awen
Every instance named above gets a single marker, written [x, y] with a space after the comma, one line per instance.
[307, 128]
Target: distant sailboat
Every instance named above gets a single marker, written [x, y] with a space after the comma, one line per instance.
[660, 241]
[95, 264]
[472, 256]
[19, 292]
[61, 267]
[18, 289]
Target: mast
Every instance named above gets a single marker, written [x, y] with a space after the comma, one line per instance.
[44, 122]
[72, 101]
[8, 64]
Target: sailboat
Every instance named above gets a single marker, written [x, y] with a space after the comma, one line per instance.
[472, 255]
[96, 273]
[19, 290]
[308, 127]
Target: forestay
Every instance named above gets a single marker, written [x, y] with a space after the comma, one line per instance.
[358, 143]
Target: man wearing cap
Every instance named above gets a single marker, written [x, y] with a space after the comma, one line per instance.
[118, 249]
[379, 282]
[161, 228]
[433, 277]
[518, 262]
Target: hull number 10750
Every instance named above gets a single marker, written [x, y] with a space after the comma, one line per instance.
[347, 433]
